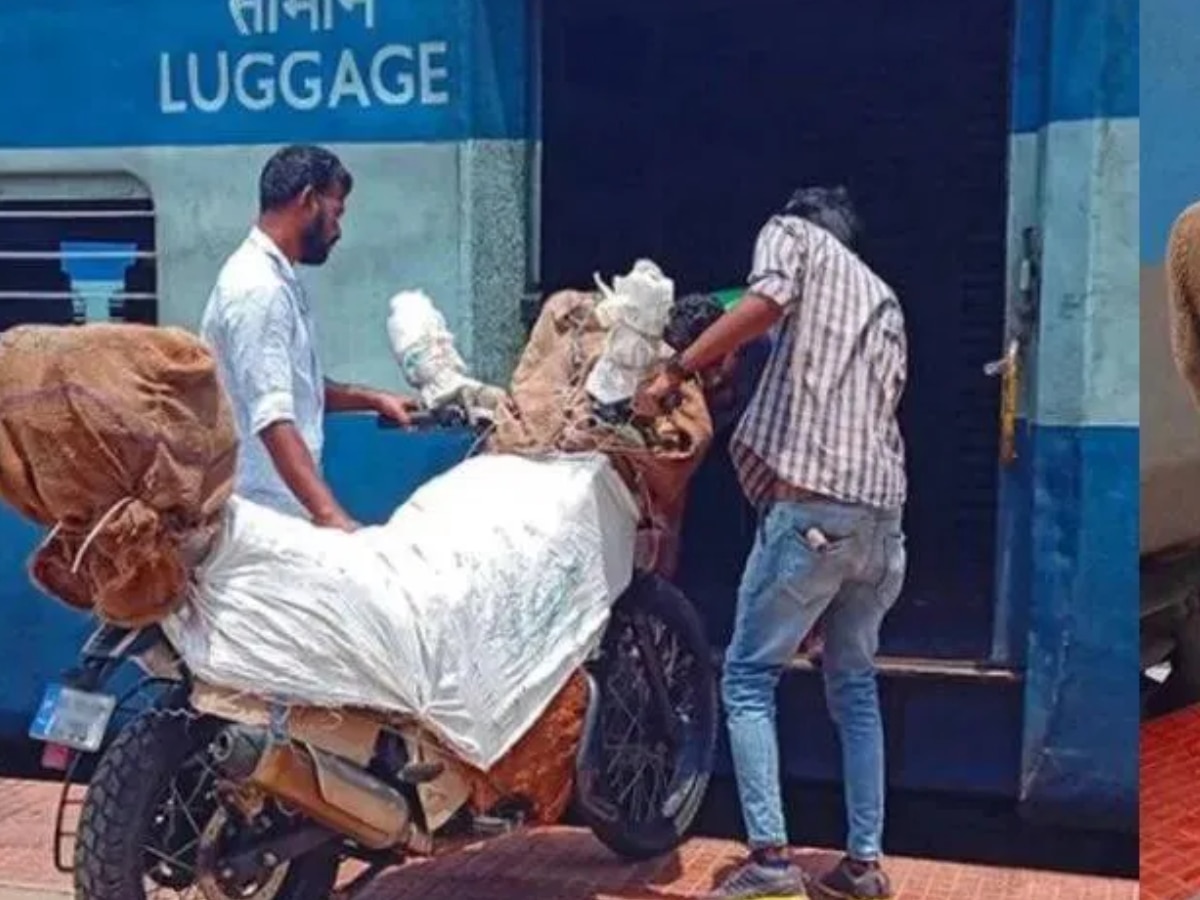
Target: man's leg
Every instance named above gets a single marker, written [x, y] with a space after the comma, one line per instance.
[851, 642]
[784, 589]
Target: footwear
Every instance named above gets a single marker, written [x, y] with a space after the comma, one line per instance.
[851, 879]
[755, 881]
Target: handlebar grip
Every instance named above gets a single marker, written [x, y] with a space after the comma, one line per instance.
[415, 420]
[447, 417]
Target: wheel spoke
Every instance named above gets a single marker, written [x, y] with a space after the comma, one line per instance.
[167, 858]
[207, 777]
[630, 787]
[642, 697]
[183, 805]
[178, 828]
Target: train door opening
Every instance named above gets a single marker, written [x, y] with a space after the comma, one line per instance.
[688, 123]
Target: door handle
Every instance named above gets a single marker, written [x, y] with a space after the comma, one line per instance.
[1008, 369]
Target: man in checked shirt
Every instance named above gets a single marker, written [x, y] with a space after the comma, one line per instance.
[819, 452]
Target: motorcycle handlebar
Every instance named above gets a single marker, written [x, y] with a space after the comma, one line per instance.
[427, 419]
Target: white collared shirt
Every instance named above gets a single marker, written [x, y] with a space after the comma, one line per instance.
[260, 326]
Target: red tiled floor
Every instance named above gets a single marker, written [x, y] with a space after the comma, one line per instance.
[1170, 814]
[568, 864]
[26, 832]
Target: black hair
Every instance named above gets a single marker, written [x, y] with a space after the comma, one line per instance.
[828, 207]
[690, 317]
[292, 169]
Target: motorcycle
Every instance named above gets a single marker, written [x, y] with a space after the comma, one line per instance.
[233, 806]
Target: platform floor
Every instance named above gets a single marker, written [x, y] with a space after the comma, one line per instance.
[1170, 812]
[559, 864]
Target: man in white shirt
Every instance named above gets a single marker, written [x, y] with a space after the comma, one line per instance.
[259, 323]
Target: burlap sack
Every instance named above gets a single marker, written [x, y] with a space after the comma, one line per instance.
[550, 411]
[1183, 291]
[540, 768]
[120, 439]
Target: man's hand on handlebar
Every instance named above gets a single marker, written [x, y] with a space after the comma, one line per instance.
[396, 408]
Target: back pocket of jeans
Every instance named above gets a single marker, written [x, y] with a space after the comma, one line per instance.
[818, 541]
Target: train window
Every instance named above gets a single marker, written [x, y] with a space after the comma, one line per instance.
[76, 249]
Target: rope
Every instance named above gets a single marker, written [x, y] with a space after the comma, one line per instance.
[91, 536]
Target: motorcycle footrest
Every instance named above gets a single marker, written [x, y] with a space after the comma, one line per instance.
[421, 772]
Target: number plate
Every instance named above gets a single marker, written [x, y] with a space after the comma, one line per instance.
[72, 718]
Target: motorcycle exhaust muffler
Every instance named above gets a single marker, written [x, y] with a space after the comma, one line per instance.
[329, 790]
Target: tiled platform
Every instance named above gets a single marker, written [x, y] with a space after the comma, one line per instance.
[1170, 807]
[567, 864]
[26, 832]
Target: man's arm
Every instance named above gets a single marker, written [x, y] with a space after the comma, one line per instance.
[299, 472]
[355, 398]
[773, 288]
[349, 397]
[753, 317]
[258, 339]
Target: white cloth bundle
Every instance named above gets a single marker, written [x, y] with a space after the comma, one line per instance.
[636, 308]
[425, 350]
[470, 608]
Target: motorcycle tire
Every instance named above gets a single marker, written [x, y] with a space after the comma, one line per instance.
[125, 800]
[599, 796]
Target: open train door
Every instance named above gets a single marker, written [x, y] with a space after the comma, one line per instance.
[672, 129]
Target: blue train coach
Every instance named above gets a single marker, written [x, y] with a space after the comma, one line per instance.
[506, 148]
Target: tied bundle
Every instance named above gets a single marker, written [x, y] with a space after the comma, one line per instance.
[551, 412]
[121, 441]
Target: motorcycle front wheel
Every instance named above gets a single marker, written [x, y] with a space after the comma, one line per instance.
[651, 738]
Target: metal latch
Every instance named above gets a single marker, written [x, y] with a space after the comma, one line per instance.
[1008, 368]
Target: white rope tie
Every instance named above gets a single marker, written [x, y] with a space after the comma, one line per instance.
[91, 536]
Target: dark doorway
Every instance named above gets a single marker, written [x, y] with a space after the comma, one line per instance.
[672, 129]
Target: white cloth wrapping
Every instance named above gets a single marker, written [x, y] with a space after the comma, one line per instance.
[424, 348]
[636, 309]
[470, 608]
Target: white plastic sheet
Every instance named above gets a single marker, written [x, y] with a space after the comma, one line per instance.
[470, 608]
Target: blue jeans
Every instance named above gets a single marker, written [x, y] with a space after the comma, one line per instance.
[790, 580]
